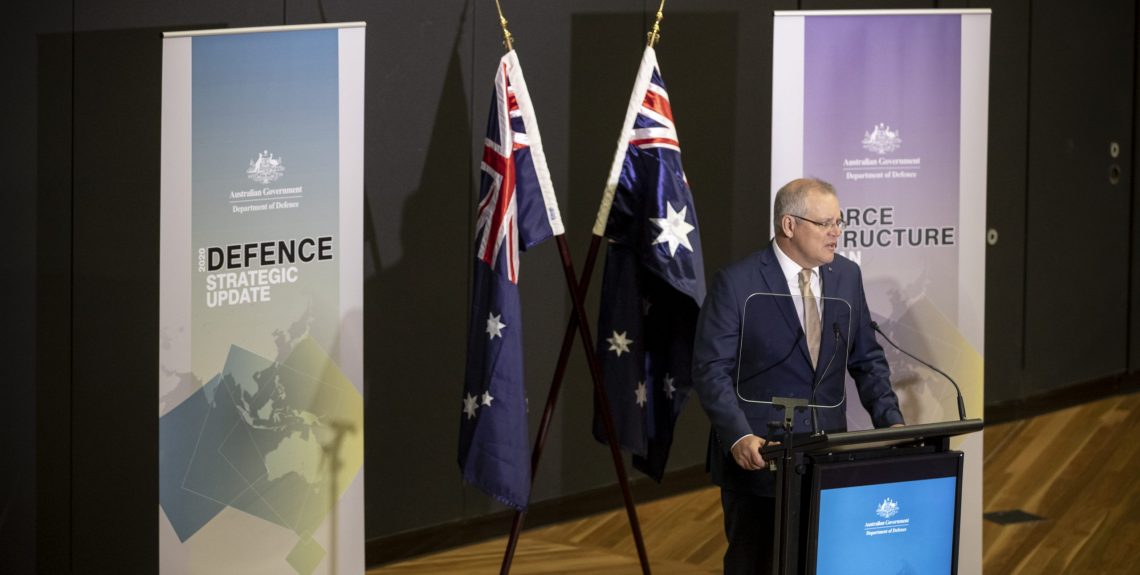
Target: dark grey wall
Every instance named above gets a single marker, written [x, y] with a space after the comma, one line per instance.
[1006, 185]
[81, 133]
[1071, 131]
[36, 151]
[1060, 288]
[1134, 240]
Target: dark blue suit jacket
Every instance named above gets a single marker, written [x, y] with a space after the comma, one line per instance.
[748, 329]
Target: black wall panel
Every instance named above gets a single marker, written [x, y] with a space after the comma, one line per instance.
[35, 49]
[1005, 199]
[1077, 219]
[115, 297]
[1134, 295]
[52, 239]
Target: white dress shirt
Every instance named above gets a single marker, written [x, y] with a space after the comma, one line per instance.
[792, 274]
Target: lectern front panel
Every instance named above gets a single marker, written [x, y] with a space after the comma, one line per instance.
[891, 515]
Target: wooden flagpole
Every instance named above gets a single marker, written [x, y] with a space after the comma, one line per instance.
[579, 322]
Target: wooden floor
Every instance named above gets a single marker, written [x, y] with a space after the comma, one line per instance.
[1078, 468]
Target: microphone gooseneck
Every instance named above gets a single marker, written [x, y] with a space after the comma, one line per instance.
[961, 402]
[759, 372]
[815, 430]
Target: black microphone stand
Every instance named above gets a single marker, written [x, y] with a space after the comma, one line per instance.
[786, 468]
[961, 402]
[815, 430]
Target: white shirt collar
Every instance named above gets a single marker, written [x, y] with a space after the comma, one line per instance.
[790, 268]
[792, 275]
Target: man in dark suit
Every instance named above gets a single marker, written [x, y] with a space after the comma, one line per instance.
[764, 332]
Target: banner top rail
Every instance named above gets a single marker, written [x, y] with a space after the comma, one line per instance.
[915, 12]
[251, 30]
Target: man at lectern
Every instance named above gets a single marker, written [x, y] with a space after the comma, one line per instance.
[781, 323]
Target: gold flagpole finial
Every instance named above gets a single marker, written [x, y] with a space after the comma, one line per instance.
[655, 33]
[508, 40]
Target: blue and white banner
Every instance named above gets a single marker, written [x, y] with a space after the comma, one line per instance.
[891, 107]
[260, 398]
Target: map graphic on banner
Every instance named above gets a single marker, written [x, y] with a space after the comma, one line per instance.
[261, 427]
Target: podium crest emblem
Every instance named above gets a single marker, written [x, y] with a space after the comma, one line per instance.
[887, 509]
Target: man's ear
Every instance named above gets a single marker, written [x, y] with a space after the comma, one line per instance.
[786, 225]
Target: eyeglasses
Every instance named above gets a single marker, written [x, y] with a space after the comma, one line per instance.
[838, 224]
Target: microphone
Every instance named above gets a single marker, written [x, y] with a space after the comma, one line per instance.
[815, 430]
[961, 402]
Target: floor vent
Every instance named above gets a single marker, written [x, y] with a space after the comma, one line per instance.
[1011, 517]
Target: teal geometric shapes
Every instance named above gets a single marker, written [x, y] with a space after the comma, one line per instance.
[306, 555]
[262, 437]
[179, 431]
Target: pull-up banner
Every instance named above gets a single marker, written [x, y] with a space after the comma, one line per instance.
[891, 107]
[260, 384]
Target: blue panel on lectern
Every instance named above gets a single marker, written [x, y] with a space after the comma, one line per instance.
[895, 528]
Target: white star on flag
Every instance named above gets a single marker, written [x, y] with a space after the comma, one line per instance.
[487, 398]
[641, 394]
[619, 343]
[494, 326]
[674, 229]
[470, 404]
[669, 389]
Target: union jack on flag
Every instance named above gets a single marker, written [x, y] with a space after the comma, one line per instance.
[654, 127]
[654, 281]
[517, 210]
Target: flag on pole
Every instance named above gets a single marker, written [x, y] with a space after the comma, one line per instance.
[654, 280]
[517, 210]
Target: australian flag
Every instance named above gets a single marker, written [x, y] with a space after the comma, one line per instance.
[517, 210]
[654, 279]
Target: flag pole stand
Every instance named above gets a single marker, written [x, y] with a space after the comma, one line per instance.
[579, 323]
[551, 402]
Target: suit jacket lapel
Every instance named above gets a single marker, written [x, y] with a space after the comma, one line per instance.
[778, 284]
[829, 317]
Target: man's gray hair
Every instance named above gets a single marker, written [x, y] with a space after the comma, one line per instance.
[791, 200]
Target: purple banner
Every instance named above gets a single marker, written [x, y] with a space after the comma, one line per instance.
[892, 108]
[882, 101]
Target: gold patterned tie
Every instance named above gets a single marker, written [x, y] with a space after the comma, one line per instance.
[811, 316]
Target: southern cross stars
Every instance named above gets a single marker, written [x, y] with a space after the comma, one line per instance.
[669, 387]
[470, 404]
[642, 394]
[674, 229]
[619, 343]
[494, 326]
